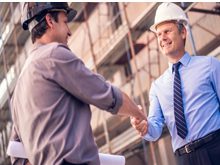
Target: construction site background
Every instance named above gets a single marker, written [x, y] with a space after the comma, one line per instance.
[113, 39]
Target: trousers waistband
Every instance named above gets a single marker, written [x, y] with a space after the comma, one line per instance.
[67, 163]
[192, 146]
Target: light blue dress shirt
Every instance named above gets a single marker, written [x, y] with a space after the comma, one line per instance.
[200, 78]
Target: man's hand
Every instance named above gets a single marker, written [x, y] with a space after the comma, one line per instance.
[140, 125]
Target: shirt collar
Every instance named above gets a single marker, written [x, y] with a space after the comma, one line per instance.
[184, 61]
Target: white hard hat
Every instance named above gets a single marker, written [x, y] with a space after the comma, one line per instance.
[168, 12]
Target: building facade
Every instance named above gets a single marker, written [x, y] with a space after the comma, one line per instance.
[113, 39]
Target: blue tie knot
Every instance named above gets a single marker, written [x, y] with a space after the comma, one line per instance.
[176, 66]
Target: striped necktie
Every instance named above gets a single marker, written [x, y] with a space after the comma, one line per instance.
[178, 103]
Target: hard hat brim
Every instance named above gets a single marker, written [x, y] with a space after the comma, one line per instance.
[153, 27]
[71, 14]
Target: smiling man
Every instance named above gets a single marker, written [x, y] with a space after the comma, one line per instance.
[51, 101]
[186, 97]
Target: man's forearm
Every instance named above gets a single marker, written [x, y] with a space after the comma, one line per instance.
[129, 108]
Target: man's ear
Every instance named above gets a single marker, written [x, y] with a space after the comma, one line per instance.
[49, 20]
[184, 33]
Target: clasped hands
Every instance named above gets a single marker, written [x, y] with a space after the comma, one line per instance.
[141, 126]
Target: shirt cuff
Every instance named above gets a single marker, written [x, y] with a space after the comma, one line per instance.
[153, 133]
[117, 100]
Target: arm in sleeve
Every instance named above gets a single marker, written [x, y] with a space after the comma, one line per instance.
[155, 117]
[215, 76]
[71, 74]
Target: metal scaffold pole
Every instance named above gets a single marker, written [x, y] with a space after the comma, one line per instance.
[96, 71]
[189, 29]
[131, 44]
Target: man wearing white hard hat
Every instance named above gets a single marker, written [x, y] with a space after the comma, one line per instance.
[186, 97]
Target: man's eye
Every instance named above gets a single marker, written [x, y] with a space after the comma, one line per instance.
[168, 31]
[158, 34]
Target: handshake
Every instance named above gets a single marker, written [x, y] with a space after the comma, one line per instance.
[141, 125]
[138, 119]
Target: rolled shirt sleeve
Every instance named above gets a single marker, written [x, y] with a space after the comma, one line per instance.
[70, 73]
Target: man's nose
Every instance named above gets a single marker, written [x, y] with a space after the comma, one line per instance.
[163, 36]
[69, 34]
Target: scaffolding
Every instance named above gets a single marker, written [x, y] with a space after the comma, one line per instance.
[117, 30]
[117, 44]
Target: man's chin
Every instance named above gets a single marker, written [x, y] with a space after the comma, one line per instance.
[65, 43]
[166, 52]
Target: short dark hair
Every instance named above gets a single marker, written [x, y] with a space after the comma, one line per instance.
[39, 30]
[180, 28]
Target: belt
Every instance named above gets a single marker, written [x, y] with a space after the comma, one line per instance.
[192, 146]
[72, 164]
[67, 163]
